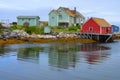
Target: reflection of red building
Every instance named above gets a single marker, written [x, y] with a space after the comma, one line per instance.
[95, 57]
[93, 52]
[97, 25]
[92, 47]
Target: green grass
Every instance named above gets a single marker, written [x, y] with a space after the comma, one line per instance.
[64, 29]
[29, 30]
[40, 30]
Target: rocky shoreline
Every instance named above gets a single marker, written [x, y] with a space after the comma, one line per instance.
[20, 36]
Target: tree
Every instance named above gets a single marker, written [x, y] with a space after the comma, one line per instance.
[14, 23]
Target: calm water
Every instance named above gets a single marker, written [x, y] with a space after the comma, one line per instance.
[60, 61]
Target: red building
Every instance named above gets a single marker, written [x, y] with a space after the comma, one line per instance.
[97, 25]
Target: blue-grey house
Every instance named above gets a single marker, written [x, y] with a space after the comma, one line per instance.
[31, 20]
[115, 28]
[65, 17]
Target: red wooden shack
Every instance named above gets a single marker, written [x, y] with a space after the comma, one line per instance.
[97, 25]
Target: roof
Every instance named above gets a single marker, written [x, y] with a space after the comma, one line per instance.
[115, 26]
[56, 11]
[28, 17]
[69, 12]
[101, 22]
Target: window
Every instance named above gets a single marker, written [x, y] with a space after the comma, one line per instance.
[107, 29]
[52, 17]
[29, 19]
[22, 19]
[90, 29]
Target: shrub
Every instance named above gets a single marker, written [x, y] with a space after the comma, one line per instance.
[34, 29]
[13, 28]
[1, 31]
[73, 28]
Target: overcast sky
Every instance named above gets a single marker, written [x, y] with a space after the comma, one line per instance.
[107, 9]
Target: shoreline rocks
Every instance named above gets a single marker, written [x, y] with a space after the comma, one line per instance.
[17, 35]
[20, 34]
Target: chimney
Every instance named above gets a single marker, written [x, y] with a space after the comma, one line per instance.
[75, 16]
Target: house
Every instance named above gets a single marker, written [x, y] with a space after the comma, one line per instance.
[65, 17]
[31, 20]
[115, 28]
[96, 25]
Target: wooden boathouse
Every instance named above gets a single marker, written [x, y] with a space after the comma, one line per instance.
[97, 29]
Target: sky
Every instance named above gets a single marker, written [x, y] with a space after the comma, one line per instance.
[107, 9]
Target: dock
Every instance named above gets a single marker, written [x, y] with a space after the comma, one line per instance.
[97, 37]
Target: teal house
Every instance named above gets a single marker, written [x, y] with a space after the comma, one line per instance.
[65, 17]
[31, 20]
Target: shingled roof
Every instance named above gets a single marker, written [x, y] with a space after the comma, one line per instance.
[101, 22]
[69, 12]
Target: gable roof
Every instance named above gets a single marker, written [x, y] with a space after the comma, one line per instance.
[101, 22]
[72, 13]
[56, 11]
[69, 12]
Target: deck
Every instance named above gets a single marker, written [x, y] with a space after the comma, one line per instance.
[96, 37]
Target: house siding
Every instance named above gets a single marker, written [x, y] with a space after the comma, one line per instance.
[64, 15]
[53, 19]
[91, 24]
[96, 28]
[115, 28]
[32, 21]
[71, 21]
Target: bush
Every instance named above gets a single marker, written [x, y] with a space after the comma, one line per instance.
[73, 28]
[34, 29]
[1, 31]
[13, 28]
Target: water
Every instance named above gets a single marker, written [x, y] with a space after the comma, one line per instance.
[60, 61]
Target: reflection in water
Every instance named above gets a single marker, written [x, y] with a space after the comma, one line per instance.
[63, 55]
[28, 54]
[4, 49]
[92, 47]
[94, 52]
[62, 61]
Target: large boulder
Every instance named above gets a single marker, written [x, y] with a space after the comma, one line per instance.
[19, 34]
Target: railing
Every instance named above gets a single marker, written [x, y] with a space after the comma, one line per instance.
[63, 21]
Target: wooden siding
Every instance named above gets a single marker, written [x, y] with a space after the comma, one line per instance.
[32, 21]
[91, 26]
[53, 19]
